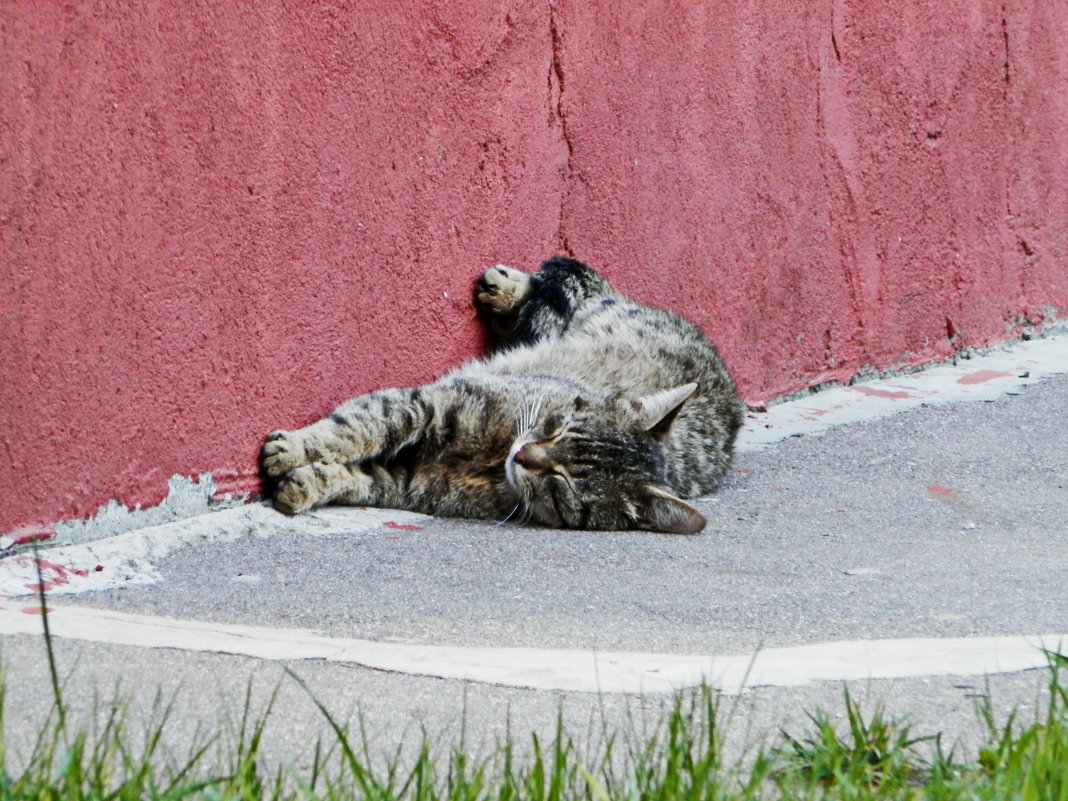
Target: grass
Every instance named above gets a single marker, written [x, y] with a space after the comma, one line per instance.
[869, 757]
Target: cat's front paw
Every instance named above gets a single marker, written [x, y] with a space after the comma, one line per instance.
[297, 492]
[501, 289]
[282, 451]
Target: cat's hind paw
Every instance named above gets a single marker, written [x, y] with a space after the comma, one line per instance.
[501, 289]
[281, 452]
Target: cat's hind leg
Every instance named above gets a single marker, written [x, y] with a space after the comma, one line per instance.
[528, 308]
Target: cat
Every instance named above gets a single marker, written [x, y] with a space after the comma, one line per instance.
[594, 412]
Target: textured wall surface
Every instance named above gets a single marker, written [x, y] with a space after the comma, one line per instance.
[218, 219]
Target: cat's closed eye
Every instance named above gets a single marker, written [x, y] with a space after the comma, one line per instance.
[554, 427]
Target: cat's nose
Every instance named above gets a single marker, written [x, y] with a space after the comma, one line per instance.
[530, 456]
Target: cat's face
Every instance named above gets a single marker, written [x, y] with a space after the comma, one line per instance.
[598, 465]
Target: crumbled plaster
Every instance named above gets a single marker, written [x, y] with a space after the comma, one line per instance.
[186, 497]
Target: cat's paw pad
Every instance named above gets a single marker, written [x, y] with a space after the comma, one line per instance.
[296, 492]
[500, 289]
[281, 452]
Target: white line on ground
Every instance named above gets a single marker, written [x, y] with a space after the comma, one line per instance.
[979, 378]
[557, 669]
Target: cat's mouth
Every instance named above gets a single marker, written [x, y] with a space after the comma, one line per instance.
[518, 478]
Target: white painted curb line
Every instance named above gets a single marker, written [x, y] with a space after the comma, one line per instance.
[556, 669]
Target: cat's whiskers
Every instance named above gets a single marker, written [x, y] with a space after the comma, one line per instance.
[535, 410]
[523, 506]
[509, 515]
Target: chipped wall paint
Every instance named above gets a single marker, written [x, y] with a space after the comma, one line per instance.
[186, 498]
[216, 221]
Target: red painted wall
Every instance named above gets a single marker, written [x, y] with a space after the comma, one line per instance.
[218, 219]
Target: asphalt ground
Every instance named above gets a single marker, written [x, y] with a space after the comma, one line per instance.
[944, 521]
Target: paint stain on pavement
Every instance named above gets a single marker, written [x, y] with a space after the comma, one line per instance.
[875, 392]
[982, 376]
[60, 575]
[944, 494]
[953, 498]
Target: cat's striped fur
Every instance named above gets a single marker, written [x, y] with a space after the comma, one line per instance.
[594, 412]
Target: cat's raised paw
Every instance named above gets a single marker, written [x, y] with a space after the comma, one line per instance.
[281, 452]
[296, 492]
[500, 289]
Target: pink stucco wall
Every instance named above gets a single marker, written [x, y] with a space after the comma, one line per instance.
[221, 218]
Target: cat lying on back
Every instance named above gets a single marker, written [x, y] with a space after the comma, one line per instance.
[594, 412]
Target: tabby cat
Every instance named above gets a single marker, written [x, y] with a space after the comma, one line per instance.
[594, 412]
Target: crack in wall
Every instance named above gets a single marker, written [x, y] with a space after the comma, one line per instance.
[558, 119]
[1005, 39]
[840, 173]
[1024, 251]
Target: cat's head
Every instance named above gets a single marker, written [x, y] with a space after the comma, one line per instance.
[600, 464]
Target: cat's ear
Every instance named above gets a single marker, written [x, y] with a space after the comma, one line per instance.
[662, 511]
[657, 412]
